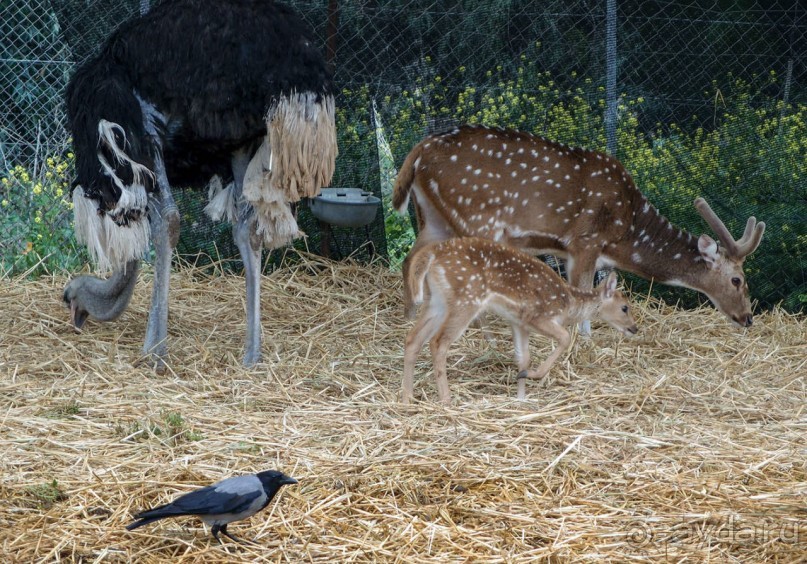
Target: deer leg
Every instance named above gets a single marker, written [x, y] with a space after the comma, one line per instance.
[450, 331]
[521, 344]
[249, 247]
[564, 339]
[580, 269]
[164, 218]
[426, 326]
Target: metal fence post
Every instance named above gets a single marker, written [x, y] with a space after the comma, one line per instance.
[610, 77]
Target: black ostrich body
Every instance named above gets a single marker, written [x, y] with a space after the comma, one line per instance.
[192, 90]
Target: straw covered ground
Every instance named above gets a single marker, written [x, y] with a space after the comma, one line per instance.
[685, 443]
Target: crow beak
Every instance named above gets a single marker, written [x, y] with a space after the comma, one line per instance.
[289, 480]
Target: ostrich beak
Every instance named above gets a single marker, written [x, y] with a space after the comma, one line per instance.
[77, 316]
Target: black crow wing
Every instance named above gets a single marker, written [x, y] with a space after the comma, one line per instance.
[205, 501]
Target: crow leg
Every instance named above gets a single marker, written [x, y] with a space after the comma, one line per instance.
[224, 531]
[249, 246]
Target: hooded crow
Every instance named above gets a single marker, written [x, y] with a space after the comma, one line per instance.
[222, 503]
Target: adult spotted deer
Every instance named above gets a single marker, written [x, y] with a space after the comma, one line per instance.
[578, 204]
[468, 276]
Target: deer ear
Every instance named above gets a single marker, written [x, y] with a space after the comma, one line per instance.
[609, 286]
[708, 249]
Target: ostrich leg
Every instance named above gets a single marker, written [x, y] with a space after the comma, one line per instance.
[249, 246]
[164, 217]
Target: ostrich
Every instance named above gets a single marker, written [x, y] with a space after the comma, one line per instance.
[195, 90]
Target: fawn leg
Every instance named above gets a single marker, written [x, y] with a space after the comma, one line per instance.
[450, 331]
[564, 339]
[430, 320]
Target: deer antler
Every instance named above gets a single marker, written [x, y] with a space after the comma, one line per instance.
[740, 248]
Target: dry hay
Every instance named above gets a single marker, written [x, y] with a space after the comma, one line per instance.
[685, 443]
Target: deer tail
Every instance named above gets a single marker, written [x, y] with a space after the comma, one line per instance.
[418, 268]
[406, 176]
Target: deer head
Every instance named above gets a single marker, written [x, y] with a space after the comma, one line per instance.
[614, 307]
[724, 282]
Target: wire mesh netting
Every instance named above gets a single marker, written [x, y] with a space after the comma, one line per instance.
[695, 98]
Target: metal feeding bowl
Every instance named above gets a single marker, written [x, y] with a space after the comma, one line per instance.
[345, 207]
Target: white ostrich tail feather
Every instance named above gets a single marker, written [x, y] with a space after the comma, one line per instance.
[301, 132]
[221, 203]
[110, 245]
[106, 135]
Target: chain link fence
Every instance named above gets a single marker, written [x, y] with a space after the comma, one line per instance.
[696, 98]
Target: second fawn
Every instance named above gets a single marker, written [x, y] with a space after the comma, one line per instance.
[465, 277]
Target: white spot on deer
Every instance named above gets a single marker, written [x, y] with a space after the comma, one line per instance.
[478, 171]
[514, 174]
[646, 207]
[524, 202]
[618, 222]
[464, 181]
[577, 167]
[546, 158]
[433, 184]
[676, 256]
[508, 161]
[567, 177]
[453, 158]
[636, 258]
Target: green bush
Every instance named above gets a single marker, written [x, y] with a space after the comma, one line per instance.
[753, 159]
[36, 220]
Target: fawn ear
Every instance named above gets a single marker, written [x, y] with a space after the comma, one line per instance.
[708, 249]
[609, 286]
